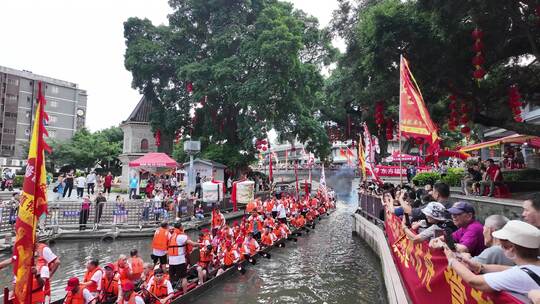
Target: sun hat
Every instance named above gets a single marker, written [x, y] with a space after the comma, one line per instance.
[519, 233]
[435, 210]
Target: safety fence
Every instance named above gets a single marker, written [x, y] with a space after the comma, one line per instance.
[104, 215]
[371, 208]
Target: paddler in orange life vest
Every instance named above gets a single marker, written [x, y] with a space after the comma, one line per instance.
[92, 277]
[159, 287]
[255, 224]
[148, 272]
[46, 256]
[78, 294]
[129, 296]
[217, 221]
[160, 244]
[268, 238]
[230, 256]
[123, 268]
[180, 246]
[136, 264]
[40, 276]
[110, 285]
[250, 246]
[206, 257]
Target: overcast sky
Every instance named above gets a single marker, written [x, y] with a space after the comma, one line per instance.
[83, 42]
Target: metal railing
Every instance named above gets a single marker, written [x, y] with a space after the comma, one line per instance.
[371, 207]
[136, 213]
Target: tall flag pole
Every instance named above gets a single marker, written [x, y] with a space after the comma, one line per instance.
[368, 156]
[361, 159]
[322, 184]
[33, 203]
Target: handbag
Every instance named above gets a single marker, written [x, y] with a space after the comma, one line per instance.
[533, 275]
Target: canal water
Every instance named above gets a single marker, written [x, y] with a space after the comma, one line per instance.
[327, 265]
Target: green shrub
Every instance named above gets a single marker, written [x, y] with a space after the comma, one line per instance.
[522, 175]
[422, 179]
[453, 177]
[18, 181]
[118, 190]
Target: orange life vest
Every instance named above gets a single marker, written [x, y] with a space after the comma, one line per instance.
[109, 288]
[160, 239]
[40, 248]
[137, 268]
[131, 299]
[148, 277]
[159, 289]
[77, 298]
[88, 277]
[250, 207]
[251, 225]
[228, 258]
[123, 272]
[266, 240]
[217, 220]
[38, 290]
[252, 246]
[205, 257]
[269, 206]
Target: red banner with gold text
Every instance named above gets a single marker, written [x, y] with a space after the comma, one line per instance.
[426, 274]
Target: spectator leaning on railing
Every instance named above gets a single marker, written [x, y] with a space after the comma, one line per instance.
[531, 210]
[520, 242]
[469, 237]
[435, 218]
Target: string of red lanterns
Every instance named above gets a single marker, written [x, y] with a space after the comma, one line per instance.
[478, 60]
[379, 113]
[389, 129]
[453, 119]
[514, 100]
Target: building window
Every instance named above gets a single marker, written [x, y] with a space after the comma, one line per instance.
[144, 145]
[9, 131]
[53, 103]
[52, 133]
[53, 119]
[13, 81]
[53, 89]
[11, 114]
[11, 97]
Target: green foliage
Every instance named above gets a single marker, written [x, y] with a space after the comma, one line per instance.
[254, 65]
[435, 36]
[86, 150]
[453, 177]
[424, 178]
[18, 181]
[522, 175]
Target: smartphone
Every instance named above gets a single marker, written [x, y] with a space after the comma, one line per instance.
[407, 220]
[439, 232]
[449, 239]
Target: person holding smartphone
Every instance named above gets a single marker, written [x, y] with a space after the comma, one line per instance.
[435, 217]
[470, 236]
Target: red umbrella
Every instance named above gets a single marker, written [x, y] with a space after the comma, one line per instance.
[154, 159]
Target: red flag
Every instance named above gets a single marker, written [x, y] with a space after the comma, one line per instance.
[270, 171]
[33, 203]
[296, 178]
[414, 121]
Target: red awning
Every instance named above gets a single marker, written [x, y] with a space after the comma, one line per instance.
[396, 157]
[533, 141]
[154, 159]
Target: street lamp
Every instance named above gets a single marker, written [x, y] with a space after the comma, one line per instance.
[191, 147]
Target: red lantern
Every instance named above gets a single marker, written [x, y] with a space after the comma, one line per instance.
[478, 46]
[464, 119]
[477, 34]
[418, 140]
[189, 87]
[514, 100]
[478, 60]
[479, 74]
[466, 130]
[264, 148]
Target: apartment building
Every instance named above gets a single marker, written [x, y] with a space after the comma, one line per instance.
[66, 107]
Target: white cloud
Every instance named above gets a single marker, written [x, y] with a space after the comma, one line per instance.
[83, 42]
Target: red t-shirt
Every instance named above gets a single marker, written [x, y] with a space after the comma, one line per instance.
[492, 170]
[108, 181]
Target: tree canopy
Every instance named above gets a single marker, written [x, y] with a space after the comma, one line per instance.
[435, 36]
[86, 150]
[253, 66]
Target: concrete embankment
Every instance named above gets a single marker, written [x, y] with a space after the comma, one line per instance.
[374, 236]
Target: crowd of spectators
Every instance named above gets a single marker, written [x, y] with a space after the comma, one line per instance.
[498, 255]
[482, 178]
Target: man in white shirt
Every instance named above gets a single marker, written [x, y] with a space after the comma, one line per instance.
[81, 183]
[156, 284]
[177, 255]
[282, 212]
[74, 288]
[91, 182]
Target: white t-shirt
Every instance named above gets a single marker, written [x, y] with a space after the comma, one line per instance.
[282, 212]
[81, 181]
[91, 178]
[514, 279]
[96, 277]
[87, 295]
[44, 272]
[167, 282]
[181, 239]
[48, 255]
[138, 300]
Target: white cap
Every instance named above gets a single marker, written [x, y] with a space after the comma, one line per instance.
[519, 233]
